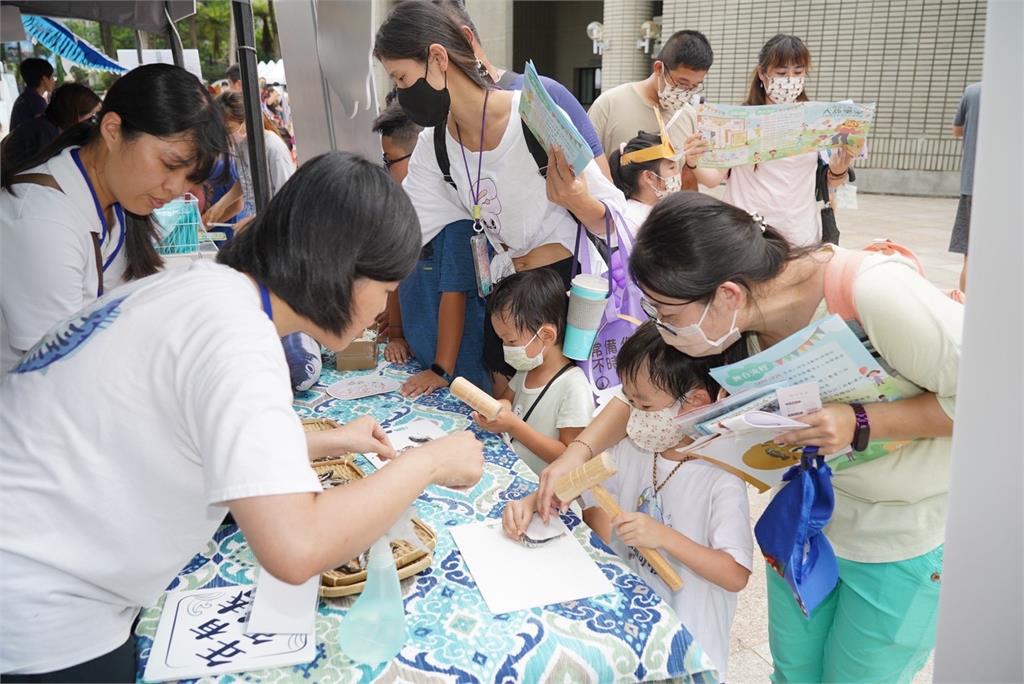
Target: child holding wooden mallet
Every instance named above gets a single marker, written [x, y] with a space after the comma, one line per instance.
[689, 510]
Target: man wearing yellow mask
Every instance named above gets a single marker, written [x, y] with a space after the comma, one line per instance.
[676, 81]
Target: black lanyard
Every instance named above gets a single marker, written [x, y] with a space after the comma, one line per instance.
[544, 391]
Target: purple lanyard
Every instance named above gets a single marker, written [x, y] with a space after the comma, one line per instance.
[474, 191]
[99, 212]
[265, 300]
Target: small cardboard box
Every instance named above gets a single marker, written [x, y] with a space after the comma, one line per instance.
[361, 354]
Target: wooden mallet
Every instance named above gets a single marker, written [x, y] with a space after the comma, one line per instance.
[590, 475]
[486, 405]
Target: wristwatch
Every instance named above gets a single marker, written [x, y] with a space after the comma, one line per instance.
[862, 435]
[442, 373]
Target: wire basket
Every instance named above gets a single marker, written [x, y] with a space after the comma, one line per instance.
[181, 227]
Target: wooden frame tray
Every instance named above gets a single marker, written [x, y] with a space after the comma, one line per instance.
[409, 560]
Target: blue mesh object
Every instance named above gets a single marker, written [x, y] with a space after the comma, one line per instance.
[304, 363]
[790, 532]
[178, 223]
[60, 40]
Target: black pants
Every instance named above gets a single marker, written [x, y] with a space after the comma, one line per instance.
[494, 356]
[116, 666]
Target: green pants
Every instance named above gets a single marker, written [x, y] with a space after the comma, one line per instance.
[877, 625]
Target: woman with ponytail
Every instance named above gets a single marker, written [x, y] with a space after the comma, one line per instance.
[530, 221]
[717, 278]
[74, 220]
[782, 190]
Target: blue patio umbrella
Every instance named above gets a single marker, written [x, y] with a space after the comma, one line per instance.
[60, 40]
[790, 534]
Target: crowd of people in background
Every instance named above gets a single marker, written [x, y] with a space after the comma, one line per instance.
[344, 245]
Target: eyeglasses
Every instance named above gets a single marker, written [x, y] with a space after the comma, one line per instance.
[652, 313]
[388, 163]
[668, 79]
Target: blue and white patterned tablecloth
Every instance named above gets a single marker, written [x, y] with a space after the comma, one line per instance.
[630, 635]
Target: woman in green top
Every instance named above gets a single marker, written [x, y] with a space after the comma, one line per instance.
[714, 275]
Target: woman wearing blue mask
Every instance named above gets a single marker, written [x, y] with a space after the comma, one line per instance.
[716, 278]
[529, 221]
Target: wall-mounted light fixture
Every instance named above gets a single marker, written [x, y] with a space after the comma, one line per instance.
[650, 31]
[595, 31]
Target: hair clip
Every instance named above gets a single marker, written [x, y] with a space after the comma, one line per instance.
[759, 220]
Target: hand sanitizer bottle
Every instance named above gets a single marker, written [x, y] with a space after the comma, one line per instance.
[374, 630]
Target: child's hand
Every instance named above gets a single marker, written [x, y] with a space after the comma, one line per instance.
[397, 350]
[639, 529]
[423, 382]
[505, 421]
[517, 515]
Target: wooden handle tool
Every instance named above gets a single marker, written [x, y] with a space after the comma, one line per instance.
[475, 398]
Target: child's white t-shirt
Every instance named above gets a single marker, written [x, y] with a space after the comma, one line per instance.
[568, 403]
[705, 504]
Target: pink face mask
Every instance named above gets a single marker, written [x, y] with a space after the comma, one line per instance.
[691, 339]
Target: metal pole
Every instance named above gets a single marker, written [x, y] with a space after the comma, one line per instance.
[138, 45]
[173, 39]
[242, 15]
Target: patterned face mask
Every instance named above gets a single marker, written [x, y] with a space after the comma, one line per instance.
[655, 430]
[785, 89]
[672, 97]
[672, 184]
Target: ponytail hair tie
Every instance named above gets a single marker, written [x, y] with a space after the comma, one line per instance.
[759, 220]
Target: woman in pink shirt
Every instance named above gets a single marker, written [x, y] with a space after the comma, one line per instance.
[780, 190]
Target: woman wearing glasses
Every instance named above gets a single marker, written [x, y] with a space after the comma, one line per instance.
[718, 278]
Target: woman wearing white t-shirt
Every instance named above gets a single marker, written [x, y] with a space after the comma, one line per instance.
[74, 221]
[240, 200]
[780, 190]
[131, 429]
[716, 278]
[528, 221]
[645, 169]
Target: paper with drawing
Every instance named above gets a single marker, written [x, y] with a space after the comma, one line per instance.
[742, 135]
[363, 386]
[413, 434]
[512, 576]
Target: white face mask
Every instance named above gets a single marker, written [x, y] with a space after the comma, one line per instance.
[785, 89]
[672, 184]
[655, 431]
[671, 98]
[519, 359]
[692, 341]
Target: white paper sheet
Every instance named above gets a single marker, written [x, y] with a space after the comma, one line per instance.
[202, 633]
[512, 577]
[538, 530]
[363, 386]
[414, 434]
[282, 608]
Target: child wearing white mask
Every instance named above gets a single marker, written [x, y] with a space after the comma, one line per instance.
[694, 513]
[548, 401]
[782, 190]
[646, 169]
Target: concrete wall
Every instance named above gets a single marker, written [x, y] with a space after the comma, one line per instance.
[622, 61]
[493, 21]
[554, 36]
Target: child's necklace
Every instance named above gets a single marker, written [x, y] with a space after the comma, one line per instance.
[654, 472]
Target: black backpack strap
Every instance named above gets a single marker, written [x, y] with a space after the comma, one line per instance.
[441, 155]
[537, 151]
[567, 367]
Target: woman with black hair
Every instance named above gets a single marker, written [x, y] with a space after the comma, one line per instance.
[74, 220]
[70, 105]
[781, 190]
[646, 170]
[129, 467]
[717, 278]
[530, 222]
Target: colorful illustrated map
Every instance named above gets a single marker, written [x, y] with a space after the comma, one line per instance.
[741, 136]
[551, 125]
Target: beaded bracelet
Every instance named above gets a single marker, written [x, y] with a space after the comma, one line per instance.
[580, 441]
